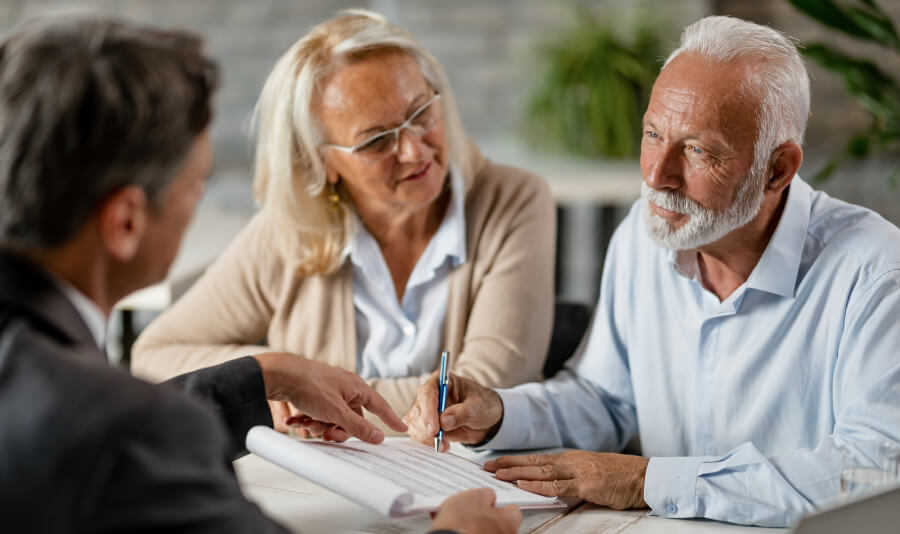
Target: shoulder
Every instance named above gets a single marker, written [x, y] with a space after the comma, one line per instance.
[259, 231]
[63, 410]
[851, 237]
[80, 393]
[252, 254]
[507, 188]
[496, 180]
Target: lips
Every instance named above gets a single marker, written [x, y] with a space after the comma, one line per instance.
[664, 213]
[421, 172]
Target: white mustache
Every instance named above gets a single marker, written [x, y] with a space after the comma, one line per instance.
[671, 201]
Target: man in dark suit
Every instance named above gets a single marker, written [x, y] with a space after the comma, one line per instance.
[104, 153]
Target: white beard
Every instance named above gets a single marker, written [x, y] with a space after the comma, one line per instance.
[704, 226]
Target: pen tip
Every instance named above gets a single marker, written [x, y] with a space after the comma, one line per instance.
[436, 445]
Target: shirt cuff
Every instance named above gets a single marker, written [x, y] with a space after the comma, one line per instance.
[514, 429]
[670, 486]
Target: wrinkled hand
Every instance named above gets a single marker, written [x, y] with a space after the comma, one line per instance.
[473, 512]
[613, 480]
[327, 399]
[472, 411]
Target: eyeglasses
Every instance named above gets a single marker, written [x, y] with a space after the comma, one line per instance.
[382, 145]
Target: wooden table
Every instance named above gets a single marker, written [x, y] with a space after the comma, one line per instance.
[303, 506]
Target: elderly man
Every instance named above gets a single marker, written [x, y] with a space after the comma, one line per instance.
[104, 153]
[747, 325]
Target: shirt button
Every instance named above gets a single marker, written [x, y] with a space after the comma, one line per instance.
[671, 509]
[409, 330]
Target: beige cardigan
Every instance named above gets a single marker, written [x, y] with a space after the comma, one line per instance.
[499, 309]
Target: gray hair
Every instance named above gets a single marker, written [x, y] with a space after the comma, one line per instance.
[782, 82]
[290, 179]
[88, 106]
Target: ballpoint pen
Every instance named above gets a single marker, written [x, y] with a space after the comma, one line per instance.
[442, 400]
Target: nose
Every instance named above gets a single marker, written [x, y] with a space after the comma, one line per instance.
[410, 149]
[662, 167]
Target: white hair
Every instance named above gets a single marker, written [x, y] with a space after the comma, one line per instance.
[289, 180]
[781, 82]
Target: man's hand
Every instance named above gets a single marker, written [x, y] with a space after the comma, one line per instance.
[473, 512]
[330, 399]
[288, 420]
[281, 412]
[613, 480]
[472, 411]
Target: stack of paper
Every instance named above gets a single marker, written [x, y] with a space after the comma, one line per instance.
[396, 478]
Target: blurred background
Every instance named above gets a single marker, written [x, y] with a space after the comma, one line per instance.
[553, 86]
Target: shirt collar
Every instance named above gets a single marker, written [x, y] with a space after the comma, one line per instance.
[777, 269]
[449, 242]
[91, 314]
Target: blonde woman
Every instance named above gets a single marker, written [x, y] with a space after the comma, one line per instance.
[384, 236]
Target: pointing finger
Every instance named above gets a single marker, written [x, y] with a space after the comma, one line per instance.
[359, 427]
[337, 434]
[376, 404]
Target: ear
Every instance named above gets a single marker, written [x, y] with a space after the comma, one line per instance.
[122, 221]
[783, 166]
[331, 173]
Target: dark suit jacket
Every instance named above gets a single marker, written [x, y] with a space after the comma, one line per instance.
[88, 448]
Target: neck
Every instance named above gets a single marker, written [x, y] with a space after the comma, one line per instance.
[728, 263]
[87, 272]
[410, 226]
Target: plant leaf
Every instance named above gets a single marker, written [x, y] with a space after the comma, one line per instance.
[875, 90]
[867, 22]
[858, 147]
[879, 27]
[594, 89]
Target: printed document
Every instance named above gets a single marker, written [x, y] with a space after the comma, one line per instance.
[395, 478]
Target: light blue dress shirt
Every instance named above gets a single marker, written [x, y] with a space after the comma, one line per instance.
[750, 407]
[395, 339]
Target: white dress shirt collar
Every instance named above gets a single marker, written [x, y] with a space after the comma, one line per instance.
[777, 269]
[89, 311]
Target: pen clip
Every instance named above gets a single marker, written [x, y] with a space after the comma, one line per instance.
[444, 379]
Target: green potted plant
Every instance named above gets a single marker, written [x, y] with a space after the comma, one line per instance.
[877, 91]
[594, 90]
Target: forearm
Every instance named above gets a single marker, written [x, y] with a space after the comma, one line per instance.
[746, 487]
[564, 411]
[236, 390]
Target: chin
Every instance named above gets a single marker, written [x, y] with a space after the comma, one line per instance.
[428, 188]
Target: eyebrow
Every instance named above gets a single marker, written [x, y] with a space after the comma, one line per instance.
[714, 142]
[412, 107]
